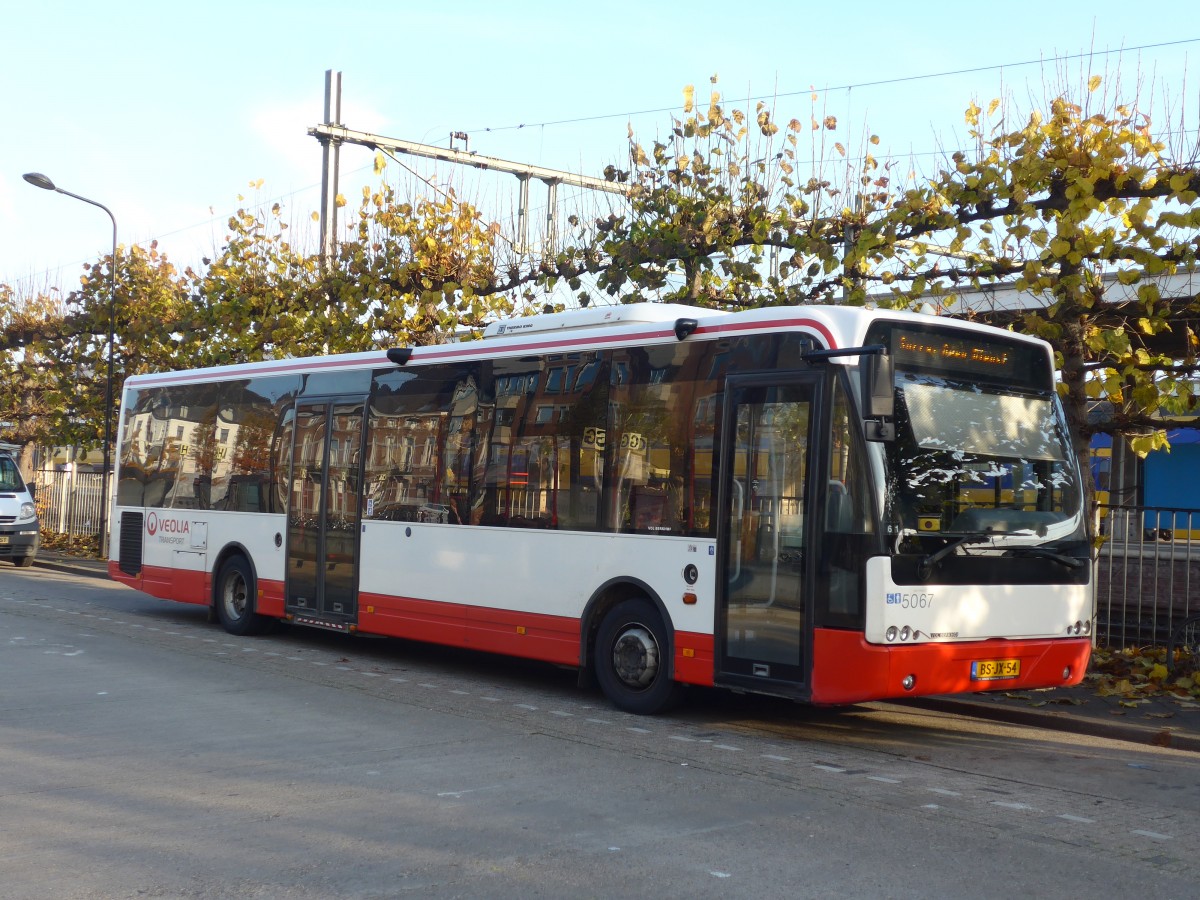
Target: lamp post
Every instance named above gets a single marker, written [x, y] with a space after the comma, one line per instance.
[39, 180]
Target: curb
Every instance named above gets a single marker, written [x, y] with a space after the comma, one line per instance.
[1156, 736]
[97, 570]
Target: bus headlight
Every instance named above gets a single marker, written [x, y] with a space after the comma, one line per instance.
[905, 633]
[891, 633]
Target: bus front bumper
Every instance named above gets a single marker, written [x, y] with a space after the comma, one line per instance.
[846, 669]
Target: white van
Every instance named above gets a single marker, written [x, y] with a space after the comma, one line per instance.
[19, 534]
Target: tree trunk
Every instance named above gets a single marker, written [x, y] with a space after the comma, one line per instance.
[25, 461]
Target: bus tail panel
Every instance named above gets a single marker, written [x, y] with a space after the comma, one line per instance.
[846, 669]
[165, 583]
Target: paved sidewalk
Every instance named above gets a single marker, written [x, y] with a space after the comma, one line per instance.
[1158, 721]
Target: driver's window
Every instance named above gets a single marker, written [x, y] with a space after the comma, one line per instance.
[849, 521]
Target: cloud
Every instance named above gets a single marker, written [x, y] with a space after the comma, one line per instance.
[290, 156]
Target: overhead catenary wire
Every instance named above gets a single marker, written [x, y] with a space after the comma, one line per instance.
[904, 79]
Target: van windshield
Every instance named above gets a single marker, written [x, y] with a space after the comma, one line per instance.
[10, 476]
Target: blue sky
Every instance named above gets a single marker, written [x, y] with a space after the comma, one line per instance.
[166, 112]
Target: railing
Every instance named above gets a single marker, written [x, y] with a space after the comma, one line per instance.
[1147, 574]
[68, 502]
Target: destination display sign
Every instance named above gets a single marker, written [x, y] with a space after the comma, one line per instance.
[966, 356]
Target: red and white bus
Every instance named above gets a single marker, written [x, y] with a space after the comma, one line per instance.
[828, 504]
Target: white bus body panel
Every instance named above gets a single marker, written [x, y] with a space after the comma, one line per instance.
[193, 539]
[963, 612]
[552, 573]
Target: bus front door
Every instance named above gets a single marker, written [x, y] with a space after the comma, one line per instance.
[323, 512]
[762, 606]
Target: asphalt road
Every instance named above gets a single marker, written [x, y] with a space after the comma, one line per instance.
[144, 752]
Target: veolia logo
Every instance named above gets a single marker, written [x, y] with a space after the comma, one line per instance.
[167, 526]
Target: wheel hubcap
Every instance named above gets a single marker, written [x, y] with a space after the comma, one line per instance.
[235, 597]
[635, 657]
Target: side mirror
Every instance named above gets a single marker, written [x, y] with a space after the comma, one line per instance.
[879, 396]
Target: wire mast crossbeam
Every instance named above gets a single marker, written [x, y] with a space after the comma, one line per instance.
[332, 135]
[339, 134]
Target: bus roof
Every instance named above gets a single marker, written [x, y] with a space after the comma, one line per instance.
[834, 327]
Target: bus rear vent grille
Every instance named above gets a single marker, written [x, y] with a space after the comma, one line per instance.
[130, 549]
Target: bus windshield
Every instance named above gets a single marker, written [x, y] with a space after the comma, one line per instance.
[970, 460]
[976, 452]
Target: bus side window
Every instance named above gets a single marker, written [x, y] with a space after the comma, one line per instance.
[849, 524]
[662, 410]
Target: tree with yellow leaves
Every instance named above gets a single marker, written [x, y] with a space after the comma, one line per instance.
[717, 214]
[1084, 206]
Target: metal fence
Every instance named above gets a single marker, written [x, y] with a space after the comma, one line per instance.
[68, 502]
[1147, 574]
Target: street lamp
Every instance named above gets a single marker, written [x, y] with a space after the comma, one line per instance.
[37, 179]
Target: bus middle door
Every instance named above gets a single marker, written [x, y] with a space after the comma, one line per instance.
[323, 512]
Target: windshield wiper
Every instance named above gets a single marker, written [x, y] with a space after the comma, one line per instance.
[1071, 562]
[926, 566]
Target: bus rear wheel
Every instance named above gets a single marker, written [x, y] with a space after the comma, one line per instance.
[632, 659]
[236, 591]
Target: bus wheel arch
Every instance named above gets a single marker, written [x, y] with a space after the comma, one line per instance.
[629, 644]
[235, 592]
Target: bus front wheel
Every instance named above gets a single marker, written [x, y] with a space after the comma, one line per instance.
[235, 599]
[632, 661]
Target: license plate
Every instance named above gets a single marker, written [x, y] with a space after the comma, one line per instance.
[993, 669]
[3, 539]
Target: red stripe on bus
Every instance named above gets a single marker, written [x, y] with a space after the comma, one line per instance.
[735, 327]
[846, 669]
[270, 598]
[184, 585]
[552, 639]
[694, 658]
[477, 349]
